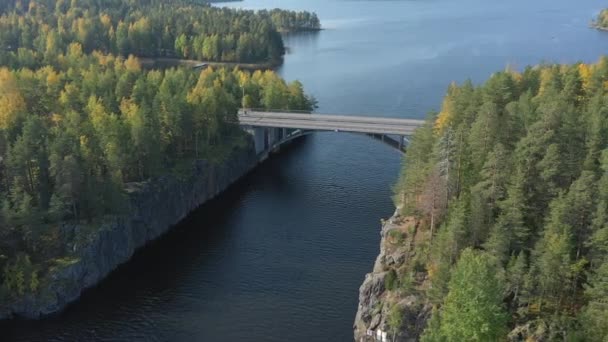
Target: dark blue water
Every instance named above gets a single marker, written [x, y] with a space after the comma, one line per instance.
[281, 255]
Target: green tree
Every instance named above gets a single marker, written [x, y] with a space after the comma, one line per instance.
[275, 96]
[473, 309]
[490, 191]
[416, 166]
[516, 275]
[395, 320]
[510, 232]
[122, 39]
[594, 316]
[553, 258]
[452, 237]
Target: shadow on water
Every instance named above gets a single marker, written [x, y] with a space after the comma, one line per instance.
[157, 269]
[303, 37]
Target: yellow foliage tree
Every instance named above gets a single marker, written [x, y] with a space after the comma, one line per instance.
[132, 64]
[546, 76]
[12, 103]
[585, 71]
[447, 109]
[106, 20]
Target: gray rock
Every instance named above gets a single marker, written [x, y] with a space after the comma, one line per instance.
[375, 300]
[155, 207]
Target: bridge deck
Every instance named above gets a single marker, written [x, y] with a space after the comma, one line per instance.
[322, 122]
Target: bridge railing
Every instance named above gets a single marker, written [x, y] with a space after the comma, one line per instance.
[275, 110]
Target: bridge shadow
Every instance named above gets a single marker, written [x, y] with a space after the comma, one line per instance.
[397, 144]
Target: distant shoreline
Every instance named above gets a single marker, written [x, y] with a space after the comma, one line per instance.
[599, 28]
[280, 31]
[595, 25]
[299, 30]
[220, 1]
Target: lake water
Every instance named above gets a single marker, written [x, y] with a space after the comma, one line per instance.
[281, 255]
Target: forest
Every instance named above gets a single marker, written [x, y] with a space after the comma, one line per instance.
[510, 182]
[35, 32]
[77, 124]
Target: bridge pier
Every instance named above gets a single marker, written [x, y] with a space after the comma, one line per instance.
[273, 136]
[266, 139]
[260, 138]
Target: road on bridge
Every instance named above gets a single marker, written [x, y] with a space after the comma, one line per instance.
[325, 122]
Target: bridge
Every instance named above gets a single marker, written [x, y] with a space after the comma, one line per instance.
[270, 130]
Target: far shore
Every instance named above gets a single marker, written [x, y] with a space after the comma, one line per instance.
[301, 30]
[222, 1]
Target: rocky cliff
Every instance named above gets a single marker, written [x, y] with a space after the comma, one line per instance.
[394, 285]
[154, 207]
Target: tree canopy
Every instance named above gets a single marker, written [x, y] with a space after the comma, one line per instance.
[516, 168]
[39, 30]
[71, 138]
[473, 308]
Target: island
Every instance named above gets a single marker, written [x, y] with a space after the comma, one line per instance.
[291, 21]
[601, 22]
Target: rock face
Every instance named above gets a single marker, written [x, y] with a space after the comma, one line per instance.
[376, 301]
[155, 207]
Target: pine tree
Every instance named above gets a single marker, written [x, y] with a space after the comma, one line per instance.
[553, 258]
[491, 189]
[594, 317]
[416, 167]
[516, 275]
[483, 134]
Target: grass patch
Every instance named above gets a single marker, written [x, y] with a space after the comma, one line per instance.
[396, 236]
[390, 280]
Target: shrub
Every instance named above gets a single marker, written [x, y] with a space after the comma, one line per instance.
[407, 281]
[396, 236]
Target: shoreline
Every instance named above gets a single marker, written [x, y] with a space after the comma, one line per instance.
[377, 298]
[301, 30]
[598, 27]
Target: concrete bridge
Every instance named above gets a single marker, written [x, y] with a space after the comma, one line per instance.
[270, 130]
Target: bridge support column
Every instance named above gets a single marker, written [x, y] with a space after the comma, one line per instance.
[259, 138]
[401, 142]
[273, 136]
